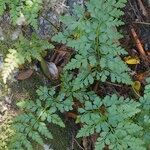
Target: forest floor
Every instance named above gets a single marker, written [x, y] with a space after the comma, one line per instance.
[136, 41]
[137, 36]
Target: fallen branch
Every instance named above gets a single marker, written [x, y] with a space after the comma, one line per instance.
[140, 47]
[138, 43]
[143, 23]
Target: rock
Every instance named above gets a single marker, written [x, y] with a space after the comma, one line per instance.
[48, 23]
[8, 99]
[1, 62]
[47, 147]
[3, 107]
[49, 19]
[53, 70]
[16, 34]
[21, 20]
[58, 6]
[72, 3]
[1, 34]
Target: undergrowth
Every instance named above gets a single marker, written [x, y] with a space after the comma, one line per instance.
[25, 50]
[6, 131]
[22, 12]
[121, 123]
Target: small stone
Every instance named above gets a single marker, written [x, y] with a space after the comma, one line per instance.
[16, 34]
[21, 20]
[1, 62]
[1, 34]
[72, 3]
[47, 147]
[8, 99]
[3, 107]
[53, 70]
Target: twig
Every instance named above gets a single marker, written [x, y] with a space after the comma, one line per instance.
[135, 12]
[56, 28]
[78, 143]
[144, 12]
[145, 23]
[138, 43]
[113, 84]
[96, 87]
[57, 85]
[140, 48]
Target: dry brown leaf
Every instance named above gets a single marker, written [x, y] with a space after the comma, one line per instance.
[142, 76]
[71, 115]
[25, 74]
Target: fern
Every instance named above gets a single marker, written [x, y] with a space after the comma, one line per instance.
[121, 123]
[144, 118]
[111, 117]
[95, 40]
[24, 50]
[2, 6]
[92, 33]
[12, 61]
[27, 8]
[6, 132]
[31, 125]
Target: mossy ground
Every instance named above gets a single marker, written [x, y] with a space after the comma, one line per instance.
[63, 138]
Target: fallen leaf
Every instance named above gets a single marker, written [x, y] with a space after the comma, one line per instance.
[132, 60]
[53, 70]
[71, 115]
[142, 76]
[25, 74]
[136, 86]
[49, 69]
[45, 69]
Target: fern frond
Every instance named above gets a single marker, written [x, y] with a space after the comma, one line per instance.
[111, 118]
[31, 125]
[12, 61]
[2, 6]
[93, 35]
[25, 50]
[144, 118]
[6, 132]
[28, 8]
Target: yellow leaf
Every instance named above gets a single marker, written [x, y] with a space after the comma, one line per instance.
[132, 60]
[136, 86]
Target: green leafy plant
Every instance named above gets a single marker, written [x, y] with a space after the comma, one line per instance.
[31, 125]
[6, 132]
[93, 35]
[22, 10]
[121, 123]
[111, 117]
[25, 50]
[144, 118]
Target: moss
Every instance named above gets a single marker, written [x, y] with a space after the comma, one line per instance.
[26, 89]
